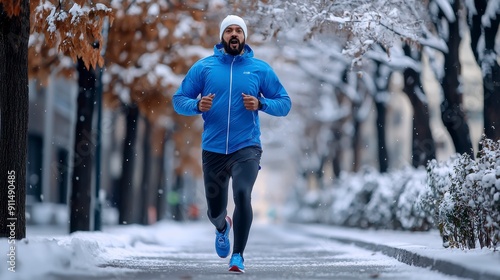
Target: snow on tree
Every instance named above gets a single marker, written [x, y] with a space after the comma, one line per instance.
[73, 26]
[360, 23]
[484, 21]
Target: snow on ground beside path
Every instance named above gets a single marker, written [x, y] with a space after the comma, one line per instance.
[427, 244]
[46, 251]
[84, 252]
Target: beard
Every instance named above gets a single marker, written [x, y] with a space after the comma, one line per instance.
[233, 46]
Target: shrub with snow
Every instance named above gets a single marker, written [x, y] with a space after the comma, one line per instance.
[464, 195]
[460, 197]
[367, 199]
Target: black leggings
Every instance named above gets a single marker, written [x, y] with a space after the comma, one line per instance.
[242, 166]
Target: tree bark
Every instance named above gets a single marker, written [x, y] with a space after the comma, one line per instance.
[381, 107]
[423, 146]
[175, 199]
[81, 192]
[146, 188]
[491, 114]
[126, 188]
[162, 206]
[487, 61]
[452, 112]
[338, 153]
[356, 139]
[14, 103]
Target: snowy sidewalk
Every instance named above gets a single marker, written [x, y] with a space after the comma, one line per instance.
[423, 249]
[51, 251]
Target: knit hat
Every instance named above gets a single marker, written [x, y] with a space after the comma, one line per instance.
[232, 19]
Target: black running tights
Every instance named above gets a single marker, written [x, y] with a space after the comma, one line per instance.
[242, 166]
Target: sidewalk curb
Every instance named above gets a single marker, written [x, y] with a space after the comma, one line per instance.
[414, 259]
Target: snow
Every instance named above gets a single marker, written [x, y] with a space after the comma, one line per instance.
[492, 10]
[50, 250]
[427, 244]
[446, 8]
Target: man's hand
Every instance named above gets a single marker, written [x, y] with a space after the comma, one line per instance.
[205, 102]
[250, 102]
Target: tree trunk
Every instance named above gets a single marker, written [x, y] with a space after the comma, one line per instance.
[14, 103]
[166, 153]
[158, 198]
[175, 198]
[382, 143]
[356, 139]
[489, 66]
[491, 114]
[126, 188]
[81, 191]
[423, 146]
[146, 188]
[452, 112]
[382, 85]
[337, 155]
[156, 191]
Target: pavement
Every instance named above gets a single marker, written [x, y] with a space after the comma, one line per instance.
[421, 249]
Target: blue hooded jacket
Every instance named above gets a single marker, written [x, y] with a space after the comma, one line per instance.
[228, 126]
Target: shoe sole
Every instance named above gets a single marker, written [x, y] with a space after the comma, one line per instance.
[235, 268]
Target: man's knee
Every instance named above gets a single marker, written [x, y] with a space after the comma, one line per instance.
[241, 195]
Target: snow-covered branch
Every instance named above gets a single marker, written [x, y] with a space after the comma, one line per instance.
[74, 28]
[360, 24]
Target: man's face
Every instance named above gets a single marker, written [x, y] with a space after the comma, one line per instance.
[233, 39]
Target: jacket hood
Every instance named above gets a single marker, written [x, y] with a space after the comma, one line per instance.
[220, 53]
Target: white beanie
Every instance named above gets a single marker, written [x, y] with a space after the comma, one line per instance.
[232, 19]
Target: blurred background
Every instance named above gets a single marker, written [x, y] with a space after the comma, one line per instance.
[111, 133]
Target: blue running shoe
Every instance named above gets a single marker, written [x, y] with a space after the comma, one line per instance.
[236, 263]
[222, 245]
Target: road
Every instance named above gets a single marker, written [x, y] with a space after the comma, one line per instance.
[273, 252]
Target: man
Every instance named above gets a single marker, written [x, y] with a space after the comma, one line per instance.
[234, 86]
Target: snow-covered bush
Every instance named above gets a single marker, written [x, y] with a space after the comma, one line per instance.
[488, 200]
[464, 198]
[407, 207]
[460, 197]
[368, 199]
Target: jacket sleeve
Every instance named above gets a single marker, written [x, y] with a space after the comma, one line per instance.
[185, 99]
[275, 100]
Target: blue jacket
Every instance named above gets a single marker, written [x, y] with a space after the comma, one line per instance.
[228, 126]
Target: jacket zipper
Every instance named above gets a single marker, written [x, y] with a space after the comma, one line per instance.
[229, 110]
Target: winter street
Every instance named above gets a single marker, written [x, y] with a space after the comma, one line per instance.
[171, 250]
[322, 139]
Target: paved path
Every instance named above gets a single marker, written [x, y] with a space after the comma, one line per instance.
[274, 252]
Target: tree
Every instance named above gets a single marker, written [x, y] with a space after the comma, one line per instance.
[445, 16]
[360, 27]
[75, 29]
[484, 20]
[423, 146]
[146, 56]
[81, 193]
[14, 33]
[60, 28]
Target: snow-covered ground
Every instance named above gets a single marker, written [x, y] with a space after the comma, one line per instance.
[427, 244]
[51, 250]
